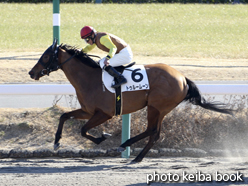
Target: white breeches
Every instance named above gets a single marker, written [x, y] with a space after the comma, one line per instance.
[124, 57]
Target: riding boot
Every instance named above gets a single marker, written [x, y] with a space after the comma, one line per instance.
[120, 78]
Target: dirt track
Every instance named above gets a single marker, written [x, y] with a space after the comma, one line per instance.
[119, 172]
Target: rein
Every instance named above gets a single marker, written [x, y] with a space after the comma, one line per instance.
[67, 60]
[89, 55]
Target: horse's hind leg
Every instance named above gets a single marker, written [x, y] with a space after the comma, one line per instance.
[152, 130]
[152, 139]
[76, 114]
[98, 118]
[154, 126]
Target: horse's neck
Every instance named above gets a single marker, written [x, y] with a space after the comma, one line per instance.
[77, 73]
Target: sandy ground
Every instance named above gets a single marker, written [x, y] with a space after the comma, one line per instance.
[116, 171]
[119, 172]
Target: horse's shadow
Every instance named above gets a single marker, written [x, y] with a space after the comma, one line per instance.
[36, 167]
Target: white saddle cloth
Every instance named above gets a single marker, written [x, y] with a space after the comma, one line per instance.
[136, 79]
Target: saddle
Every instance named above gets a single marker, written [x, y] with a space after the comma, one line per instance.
[122, 68]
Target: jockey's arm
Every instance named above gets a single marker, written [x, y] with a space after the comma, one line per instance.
[88, 48]
[106, 41]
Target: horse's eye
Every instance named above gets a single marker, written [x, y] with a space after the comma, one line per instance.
[45, 58]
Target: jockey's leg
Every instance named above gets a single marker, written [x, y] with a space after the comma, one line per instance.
[122, 58]
[120, 78]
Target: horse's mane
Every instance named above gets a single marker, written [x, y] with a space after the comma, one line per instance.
[83, 57]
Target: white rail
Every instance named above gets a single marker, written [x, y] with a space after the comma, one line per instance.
[223, 89]
[37, 89]
[67, 89]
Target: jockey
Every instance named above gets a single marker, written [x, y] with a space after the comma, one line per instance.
[119, 52]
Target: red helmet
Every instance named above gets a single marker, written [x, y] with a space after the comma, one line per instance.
[87, 31]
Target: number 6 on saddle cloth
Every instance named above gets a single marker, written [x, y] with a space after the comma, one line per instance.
[136, 80]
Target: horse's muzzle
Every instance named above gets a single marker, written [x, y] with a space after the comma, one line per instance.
[32, 75]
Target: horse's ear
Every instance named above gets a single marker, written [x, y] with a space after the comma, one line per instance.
[54, 44]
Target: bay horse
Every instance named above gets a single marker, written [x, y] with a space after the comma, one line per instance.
[168, 88]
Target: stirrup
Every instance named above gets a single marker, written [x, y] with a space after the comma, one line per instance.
[123, 81]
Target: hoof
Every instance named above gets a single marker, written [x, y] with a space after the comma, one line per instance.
[121, 149]
[136, 161]
[106, 135]
[56, 146]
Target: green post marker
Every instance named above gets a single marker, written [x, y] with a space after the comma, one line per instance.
[126, 120]
[56, 20]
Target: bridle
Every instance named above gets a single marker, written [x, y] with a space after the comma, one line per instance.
[53, 63]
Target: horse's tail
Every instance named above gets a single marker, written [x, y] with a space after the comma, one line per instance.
[194, 97]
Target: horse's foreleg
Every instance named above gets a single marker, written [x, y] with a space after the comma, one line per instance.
[98, 118]
[76, 114]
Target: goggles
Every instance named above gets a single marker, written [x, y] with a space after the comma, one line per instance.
[87, 39]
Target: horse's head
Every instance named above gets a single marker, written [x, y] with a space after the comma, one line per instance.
[47, 63]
